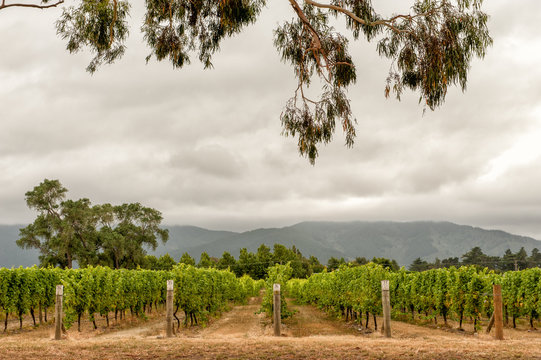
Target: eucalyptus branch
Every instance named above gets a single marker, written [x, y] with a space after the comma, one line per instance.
[36, 6]
[111, 27]
[390, 23]
[317, 48]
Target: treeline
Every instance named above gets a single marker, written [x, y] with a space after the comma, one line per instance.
[509, 261]
[256, 264]
[253, 264]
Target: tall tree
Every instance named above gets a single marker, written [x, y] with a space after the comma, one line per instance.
[508, 260]
[522, 259]
[419, 265]
[227, 261]
[80, 222]
[430, 48]
[73, 230]
[315, 265]
[535, 258]
[127, 230]
[164, 262]
[50, 232]
[334, 263]
[474, 257]
[246, 264]
[205, 261]
[264, 260]
[187, 259]
[390, 264]
[451, 261]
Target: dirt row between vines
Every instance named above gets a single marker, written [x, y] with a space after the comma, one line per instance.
[243, 334]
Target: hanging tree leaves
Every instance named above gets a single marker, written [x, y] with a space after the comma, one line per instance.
[430, 47]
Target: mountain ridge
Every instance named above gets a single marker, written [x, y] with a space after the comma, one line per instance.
[402, 241]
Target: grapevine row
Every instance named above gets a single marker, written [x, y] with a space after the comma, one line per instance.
[463, 292]
[101, 290]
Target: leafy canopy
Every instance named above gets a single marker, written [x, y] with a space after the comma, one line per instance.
[430, 47]
[75, 230]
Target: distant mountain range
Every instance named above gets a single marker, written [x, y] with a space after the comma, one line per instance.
[402, 241]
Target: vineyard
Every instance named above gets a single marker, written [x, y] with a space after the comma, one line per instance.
[106, 292]
[134, 302]
[464, 292]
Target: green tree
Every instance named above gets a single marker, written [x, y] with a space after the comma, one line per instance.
[264, 260]
[419, 265]
[205, 261]
[474, 257]
[522, 259]
[315, 265]
[186, 259]
[80, 221]
[360, 261]
[227, 261]
[334, 263]
[452, 261]
[150, 262]
[386, 263]
[298, 263]
[64, 230]
[508, 260]
[535, 258]
[301, 266]
[246, 264]
[281, 254]
[126, 230]
[165, 262]
[431, 47]
[73, 230]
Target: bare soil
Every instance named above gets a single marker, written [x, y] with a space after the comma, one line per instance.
[243, 333]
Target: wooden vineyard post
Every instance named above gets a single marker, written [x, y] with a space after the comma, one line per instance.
[58, 312]
[169, 309]
[498, 312]
[386, 302]
[276, 305]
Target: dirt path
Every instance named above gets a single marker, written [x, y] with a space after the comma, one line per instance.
[309, 321]
[243, 321]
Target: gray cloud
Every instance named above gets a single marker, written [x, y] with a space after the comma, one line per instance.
[204, 147]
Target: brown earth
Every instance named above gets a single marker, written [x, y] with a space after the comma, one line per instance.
[241, 333]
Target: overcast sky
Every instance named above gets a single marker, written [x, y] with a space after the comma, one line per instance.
[204, 147]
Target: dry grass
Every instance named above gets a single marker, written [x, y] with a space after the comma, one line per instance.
[242, 334]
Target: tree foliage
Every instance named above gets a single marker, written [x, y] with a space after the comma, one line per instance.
[507, 262]
[430, 47]
[74, 230]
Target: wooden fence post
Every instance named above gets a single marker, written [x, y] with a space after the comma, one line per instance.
[58, 312]
[498, 312]
[276, 304]
[386, 303]
[169, 309]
